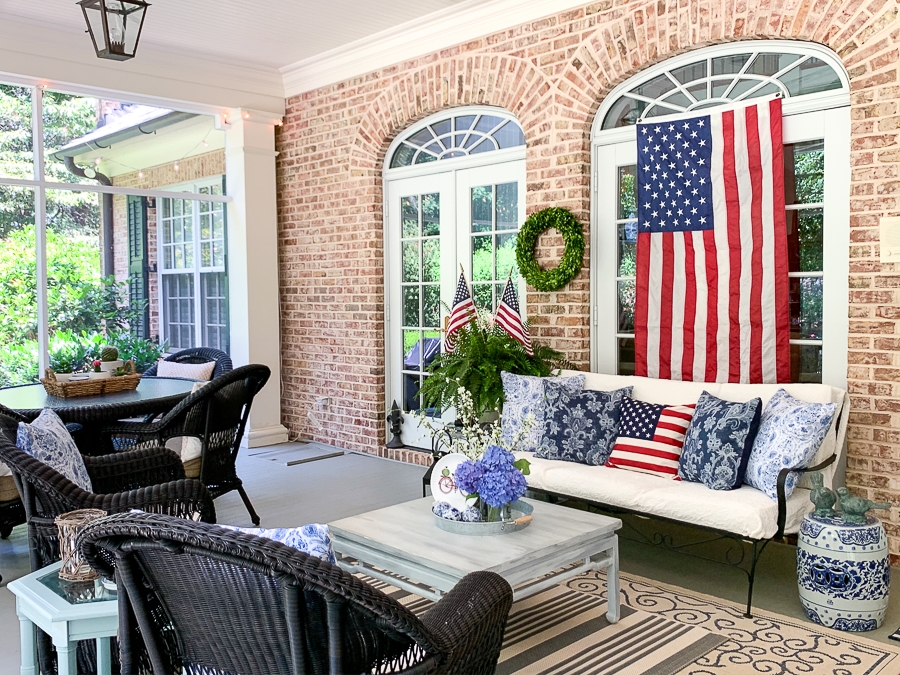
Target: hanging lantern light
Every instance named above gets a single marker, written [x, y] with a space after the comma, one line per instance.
[115, 26]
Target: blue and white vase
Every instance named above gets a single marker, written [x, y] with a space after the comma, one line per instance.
[843, 572]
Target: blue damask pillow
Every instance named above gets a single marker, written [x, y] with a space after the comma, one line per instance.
[790, 434]
[581, 427]
[313, 539]
[523, 396]
[718, 442]
[47, 440]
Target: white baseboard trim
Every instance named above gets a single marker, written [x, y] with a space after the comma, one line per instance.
[271, 435]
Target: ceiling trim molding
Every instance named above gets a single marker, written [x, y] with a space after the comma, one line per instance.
[439, 30]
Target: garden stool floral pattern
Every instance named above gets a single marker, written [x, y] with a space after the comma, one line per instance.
[843, 573]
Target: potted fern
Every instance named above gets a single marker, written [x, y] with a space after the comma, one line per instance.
[483, 350]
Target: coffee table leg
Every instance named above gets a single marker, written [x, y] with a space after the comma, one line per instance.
[104, 657]
[612, 584]
[65, 658]
[28, 647]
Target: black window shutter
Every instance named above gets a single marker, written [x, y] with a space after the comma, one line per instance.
[138, 269]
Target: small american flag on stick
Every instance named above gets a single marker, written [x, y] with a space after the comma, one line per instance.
[509, 318]
[460, 314]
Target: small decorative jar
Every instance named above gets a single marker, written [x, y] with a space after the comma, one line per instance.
[843, 572]
[70, 524]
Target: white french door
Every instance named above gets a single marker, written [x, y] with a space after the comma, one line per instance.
[467, 216]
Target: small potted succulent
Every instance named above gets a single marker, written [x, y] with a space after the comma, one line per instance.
[66, 358]
[109, 359]
[97, 373]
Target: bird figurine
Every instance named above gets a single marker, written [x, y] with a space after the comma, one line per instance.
[854, 508]
[824, 498]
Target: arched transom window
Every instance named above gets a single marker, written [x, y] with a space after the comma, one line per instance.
[723, 78]
[457, 136]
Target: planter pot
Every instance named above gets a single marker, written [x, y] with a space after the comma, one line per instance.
[111, 366]
[99, 376]
[63, 377]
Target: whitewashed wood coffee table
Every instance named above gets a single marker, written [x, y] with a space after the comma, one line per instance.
[403, 540]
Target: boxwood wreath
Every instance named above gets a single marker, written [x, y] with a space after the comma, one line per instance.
[569, 265]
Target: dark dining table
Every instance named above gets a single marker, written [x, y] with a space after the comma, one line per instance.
[154, 395]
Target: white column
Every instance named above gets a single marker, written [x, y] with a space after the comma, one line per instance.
[253, 263]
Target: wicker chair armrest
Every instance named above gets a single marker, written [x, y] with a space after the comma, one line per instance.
[132, 469]
[469, 622]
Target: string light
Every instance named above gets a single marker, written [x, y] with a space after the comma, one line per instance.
[205, 144]
[176, 165]
[246, 116]
[98, 160]
[140, 174]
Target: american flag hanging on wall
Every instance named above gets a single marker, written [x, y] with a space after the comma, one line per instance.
[460, 314]
[509, 318]
[712, 273]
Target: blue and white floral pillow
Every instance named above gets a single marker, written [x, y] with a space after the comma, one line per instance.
[718, 442]
[790, 434]
[313, 539]
[48, 441]
[581, 427]
[523, 396]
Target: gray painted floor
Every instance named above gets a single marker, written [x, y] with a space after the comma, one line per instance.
[329, 489]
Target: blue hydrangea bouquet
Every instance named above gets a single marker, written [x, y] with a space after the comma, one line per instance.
[494, 482]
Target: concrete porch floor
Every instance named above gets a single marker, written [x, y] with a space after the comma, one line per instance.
[329, 489]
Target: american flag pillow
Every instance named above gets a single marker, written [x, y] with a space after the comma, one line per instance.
[651, 437]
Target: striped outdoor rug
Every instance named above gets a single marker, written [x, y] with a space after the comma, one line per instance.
[563, 631]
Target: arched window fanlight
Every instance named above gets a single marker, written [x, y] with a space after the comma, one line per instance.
[718, 79]
[457, 136]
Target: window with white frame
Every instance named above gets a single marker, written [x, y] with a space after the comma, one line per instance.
[192, 269]
[816, 129]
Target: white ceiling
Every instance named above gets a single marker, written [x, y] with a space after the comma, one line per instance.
[269, 34]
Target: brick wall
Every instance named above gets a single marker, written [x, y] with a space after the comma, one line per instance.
[192, 168]
[553, 74]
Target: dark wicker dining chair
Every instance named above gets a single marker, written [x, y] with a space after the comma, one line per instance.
[198, 355]
[217, 415]
[150, 479]
[195, 598]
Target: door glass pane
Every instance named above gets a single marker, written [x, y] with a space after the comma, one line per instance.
[626, 305]
[482, 263]
[410, 305]
[806, 308]
[626, 356]
[409, 208]
[431, 260]
[627, 254]
[506, 255]
[483, 298]
[482, 209]
[431, 215]
[804, 172]
[431, 306]
[410, 261]
[805, 240]
[806, 363]
[627, 193]
[508, 206]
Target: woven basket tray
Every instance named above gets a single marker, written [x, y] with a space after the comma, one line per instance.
[106, 385]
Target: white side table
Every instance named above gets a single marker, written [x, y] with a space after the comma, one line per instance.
[68, 612]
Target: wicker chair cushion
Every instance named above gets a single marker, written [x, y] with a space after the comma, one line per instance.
[189, 448]
[48, 441]
[313, 539]
[8, 490]
[190, 371]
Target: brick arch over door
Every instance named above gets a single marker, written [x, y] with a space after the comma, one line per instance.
[334, 138]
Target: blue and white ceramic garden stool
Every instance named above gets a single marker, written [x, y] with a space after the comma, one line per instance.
[843, 572]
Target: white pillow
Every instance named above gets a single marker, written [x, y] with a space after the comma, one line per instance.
[48, 441]
[188, 447]
[190, 371]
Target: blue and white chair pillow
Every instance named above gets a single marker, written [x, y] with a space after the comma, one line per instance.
[313, 539]
[48, 441]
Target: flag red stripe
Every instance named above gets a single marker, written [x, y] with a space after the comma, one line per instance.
[733, 209]
[755, 290]
[641, 308]
[655, 468]
[712, 304]
[782, 318]
[690, 310]
[671, 412]
[665, 310]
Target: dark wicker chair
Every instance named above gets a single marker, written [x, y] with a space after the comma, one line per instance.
[195, 598]
[198, 355]
[12, 512]
[150, 479]
[217, 415]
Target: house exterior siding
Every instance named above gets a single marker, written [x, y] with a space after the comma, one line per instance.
[553, 74]
[190, 169]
